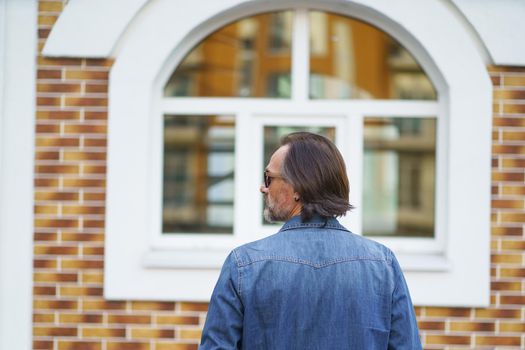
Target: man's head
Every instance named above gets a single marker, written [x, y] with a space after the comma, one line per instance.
[281, 201]
[311, 180]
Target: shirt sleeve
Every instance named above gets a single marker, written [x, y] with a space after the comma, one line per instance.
[404, 332]
[223, 327]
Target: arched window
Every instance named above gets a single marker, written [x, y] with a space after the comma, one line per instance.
[197, 103]
[382, 113]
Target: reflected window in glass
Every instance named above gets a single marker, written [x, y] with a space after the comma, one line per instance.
[399, 177]
[198, 174]
[238, 60]
[350, 59]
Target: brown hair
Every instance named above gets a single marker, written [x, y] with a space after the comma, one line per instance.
[315, 168]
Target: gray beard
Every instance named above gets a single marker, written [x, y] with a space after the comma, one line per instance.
[267, 216]
[271, 216]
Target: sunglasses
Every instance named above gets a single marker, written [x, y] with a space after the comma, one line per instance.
[268, 178]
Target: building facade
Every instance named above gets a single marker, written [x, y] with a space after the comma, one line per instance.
[152, 123]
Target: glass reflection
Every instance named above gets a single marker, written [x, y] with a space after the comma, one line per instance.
[247, 58]
[350, 59]
[198, 174]
[272, 141]
[399, 177]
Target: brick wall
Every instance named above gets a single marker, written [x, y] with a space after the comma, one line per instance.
[70, 179]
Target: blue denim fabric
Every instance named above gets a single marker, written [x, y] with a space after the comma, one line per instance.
[313, 285]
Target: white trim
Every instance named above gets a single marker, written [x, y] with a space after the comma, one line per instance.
[142, 66]
[289, 107]
[495, 25]
[18, 43]
[76, 35]
[500, 27]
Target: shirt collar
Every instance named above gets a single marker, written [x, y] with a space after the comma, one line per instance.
[315, 222]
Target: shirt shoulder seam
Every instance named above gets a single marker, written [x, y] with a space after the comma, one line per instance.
[309, 263]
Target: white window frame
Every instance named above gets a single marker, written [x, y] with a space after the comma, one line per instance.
[453, 63]
[298, 110]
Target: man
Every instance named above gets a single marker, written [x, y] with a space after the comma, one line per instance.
[314, 284]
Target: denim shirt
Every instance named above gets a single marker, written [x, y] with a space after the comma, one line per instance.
[313, 285]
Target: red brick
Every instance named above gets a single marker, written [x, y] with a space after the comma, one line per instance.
[498, 340]
[507, 204]
[51, 155]
[510, 94]
[57, 169]
[47, 20]
[48, 128]
[151, 333]
[470, 326]
[81, 264]
[512, 299]
[447, 312]
[50, 6]
[505, 286]
[56, 223]
[95, 115]
[512, 217]
[103, 332]
[45, 263]
[39, 344]
[508, 176]
[193, 306]
[153, 305]
[47, 182]
[128, 345]
[53, 141]
[45, 236]
[55, 250]
[86, 102]
[75, 318]
[57, 115]
[79, 345]
[129, 319]
[41, 317]
[82, 237]
[57, 196]
[72, 291]
[177, 320]
[55, 304]
[47, 277]
[59, 88]
[86, 75]
[95, 142]
[49, 73]
[58, 62]
[508, 121]
[498, 313]
[79, 182]
[89, 305]
[447, 339]
[48, 101]
[44, 290]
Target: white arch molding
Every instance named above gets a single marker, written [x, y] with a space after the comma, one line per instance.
[161, 32]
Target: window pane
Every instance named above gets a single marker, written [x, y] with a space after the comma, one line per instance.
[272, 141]
[198, 174]
[247, 58]
[350, 59]
[399, 177]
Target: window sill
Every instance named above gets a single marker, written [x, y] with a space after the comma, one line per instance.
[185, 259]
[214, 258]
